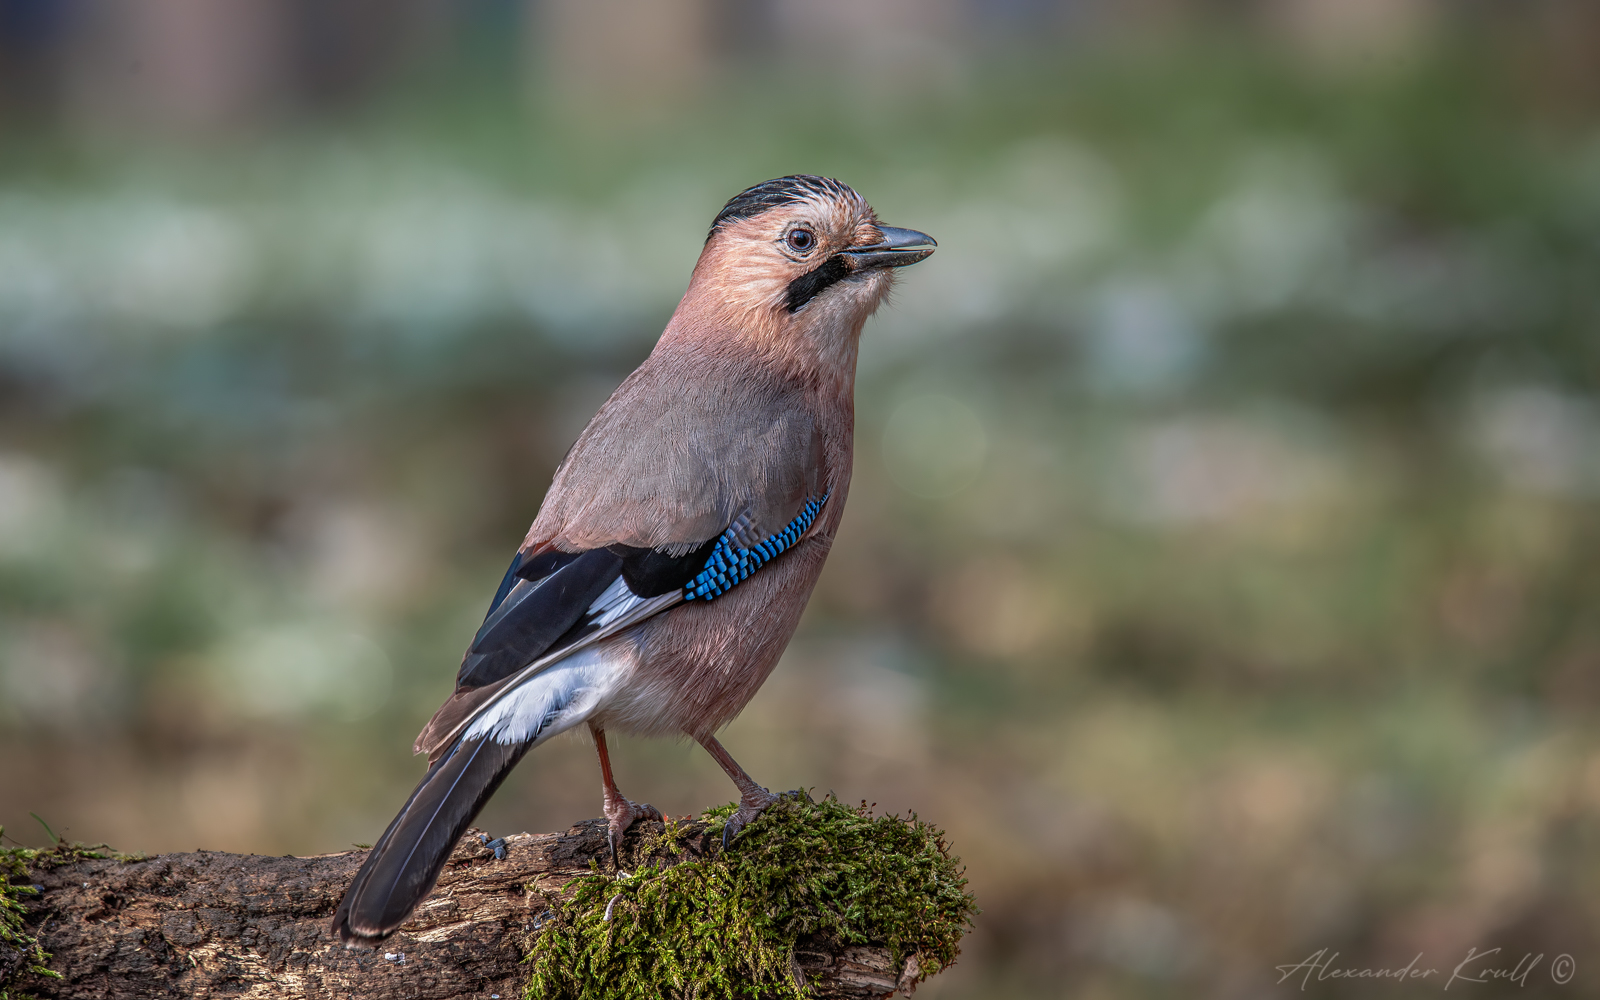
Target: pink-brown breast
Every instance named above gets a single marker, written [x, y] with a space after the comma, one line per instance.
[699, 664]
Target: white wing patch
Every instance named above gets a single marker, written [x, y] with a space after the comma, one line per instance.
[615, 602]
[553, 701]
[494, 717]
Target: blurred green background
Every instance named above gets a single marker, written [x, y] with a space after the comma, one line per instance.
[1221, 565]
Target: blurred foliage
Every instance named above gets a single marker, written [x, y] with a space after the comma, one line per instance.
[1219, 564]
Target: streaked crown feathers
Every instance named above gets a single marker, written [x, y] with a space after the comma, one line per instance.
[780, 191]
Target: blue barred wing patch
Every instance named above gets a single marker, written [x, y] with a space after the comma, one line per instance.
[730, 563]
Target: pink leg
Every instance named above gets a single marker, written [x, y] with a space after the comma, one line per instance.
[753, 799]
[620, 813]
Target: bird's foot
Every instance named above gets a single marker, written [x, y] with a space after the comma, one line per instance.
[621, 814]
[498, 845]
[751, 804]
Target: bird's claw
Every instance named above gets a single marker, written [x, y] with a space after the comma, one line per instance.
[751, 805]
[621, 815]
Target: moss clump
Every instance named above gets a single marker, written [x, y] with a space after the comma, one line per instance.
[20, 952]
[725, 925]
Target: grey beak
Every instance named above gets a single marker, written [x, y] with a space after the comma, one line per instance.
[899, 248]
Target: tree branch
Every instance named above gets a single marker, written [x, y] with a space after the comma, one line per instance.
[211, 924]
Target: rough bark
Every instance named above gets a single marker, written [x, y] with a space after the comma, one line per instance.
[210, 924]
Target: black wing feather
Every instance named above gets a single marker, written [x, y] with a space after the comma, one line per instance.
[651, 572]
[532, 568]
[545, 602]
[534, 614]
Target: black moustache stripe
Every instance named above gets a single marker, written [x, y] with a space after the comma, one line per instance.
[806, 287]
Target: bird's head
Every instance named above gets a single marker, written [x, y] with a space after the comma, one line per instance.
[801, 260]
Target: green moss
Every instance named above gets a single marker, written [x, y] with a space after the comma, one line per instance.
[20, 952]
[725, 925]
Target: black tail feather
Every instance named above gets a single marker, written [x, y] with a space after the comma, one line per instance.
[406, 861]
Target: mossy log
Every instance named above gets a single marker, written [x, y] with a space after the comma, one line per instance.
[210, 924]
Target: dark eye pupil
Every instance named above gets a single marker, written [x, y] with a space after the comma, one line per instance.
[800, 239]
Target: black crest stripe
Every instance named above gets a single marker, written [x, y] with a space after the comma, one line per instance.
[778, 191]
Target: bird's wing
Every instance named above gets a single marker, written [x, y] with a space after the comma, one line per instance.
[660, 508]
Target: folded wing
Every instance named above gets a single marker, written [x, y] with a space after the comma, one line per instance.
[643, 504]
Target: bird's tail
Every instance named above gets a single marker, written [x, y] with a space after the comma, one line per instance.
[406, 861]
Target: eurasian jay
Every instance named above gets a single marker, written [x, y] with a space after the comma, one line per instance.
[681, 537]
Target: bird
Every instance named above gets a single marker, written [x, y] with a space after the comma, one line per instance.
[680, 538]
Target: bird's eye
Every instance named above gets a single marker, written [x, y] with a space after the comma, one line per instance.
[801, 240]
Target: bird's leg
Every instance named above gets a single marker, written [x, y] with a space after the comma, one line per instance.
[620, 813]
[753, 799]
